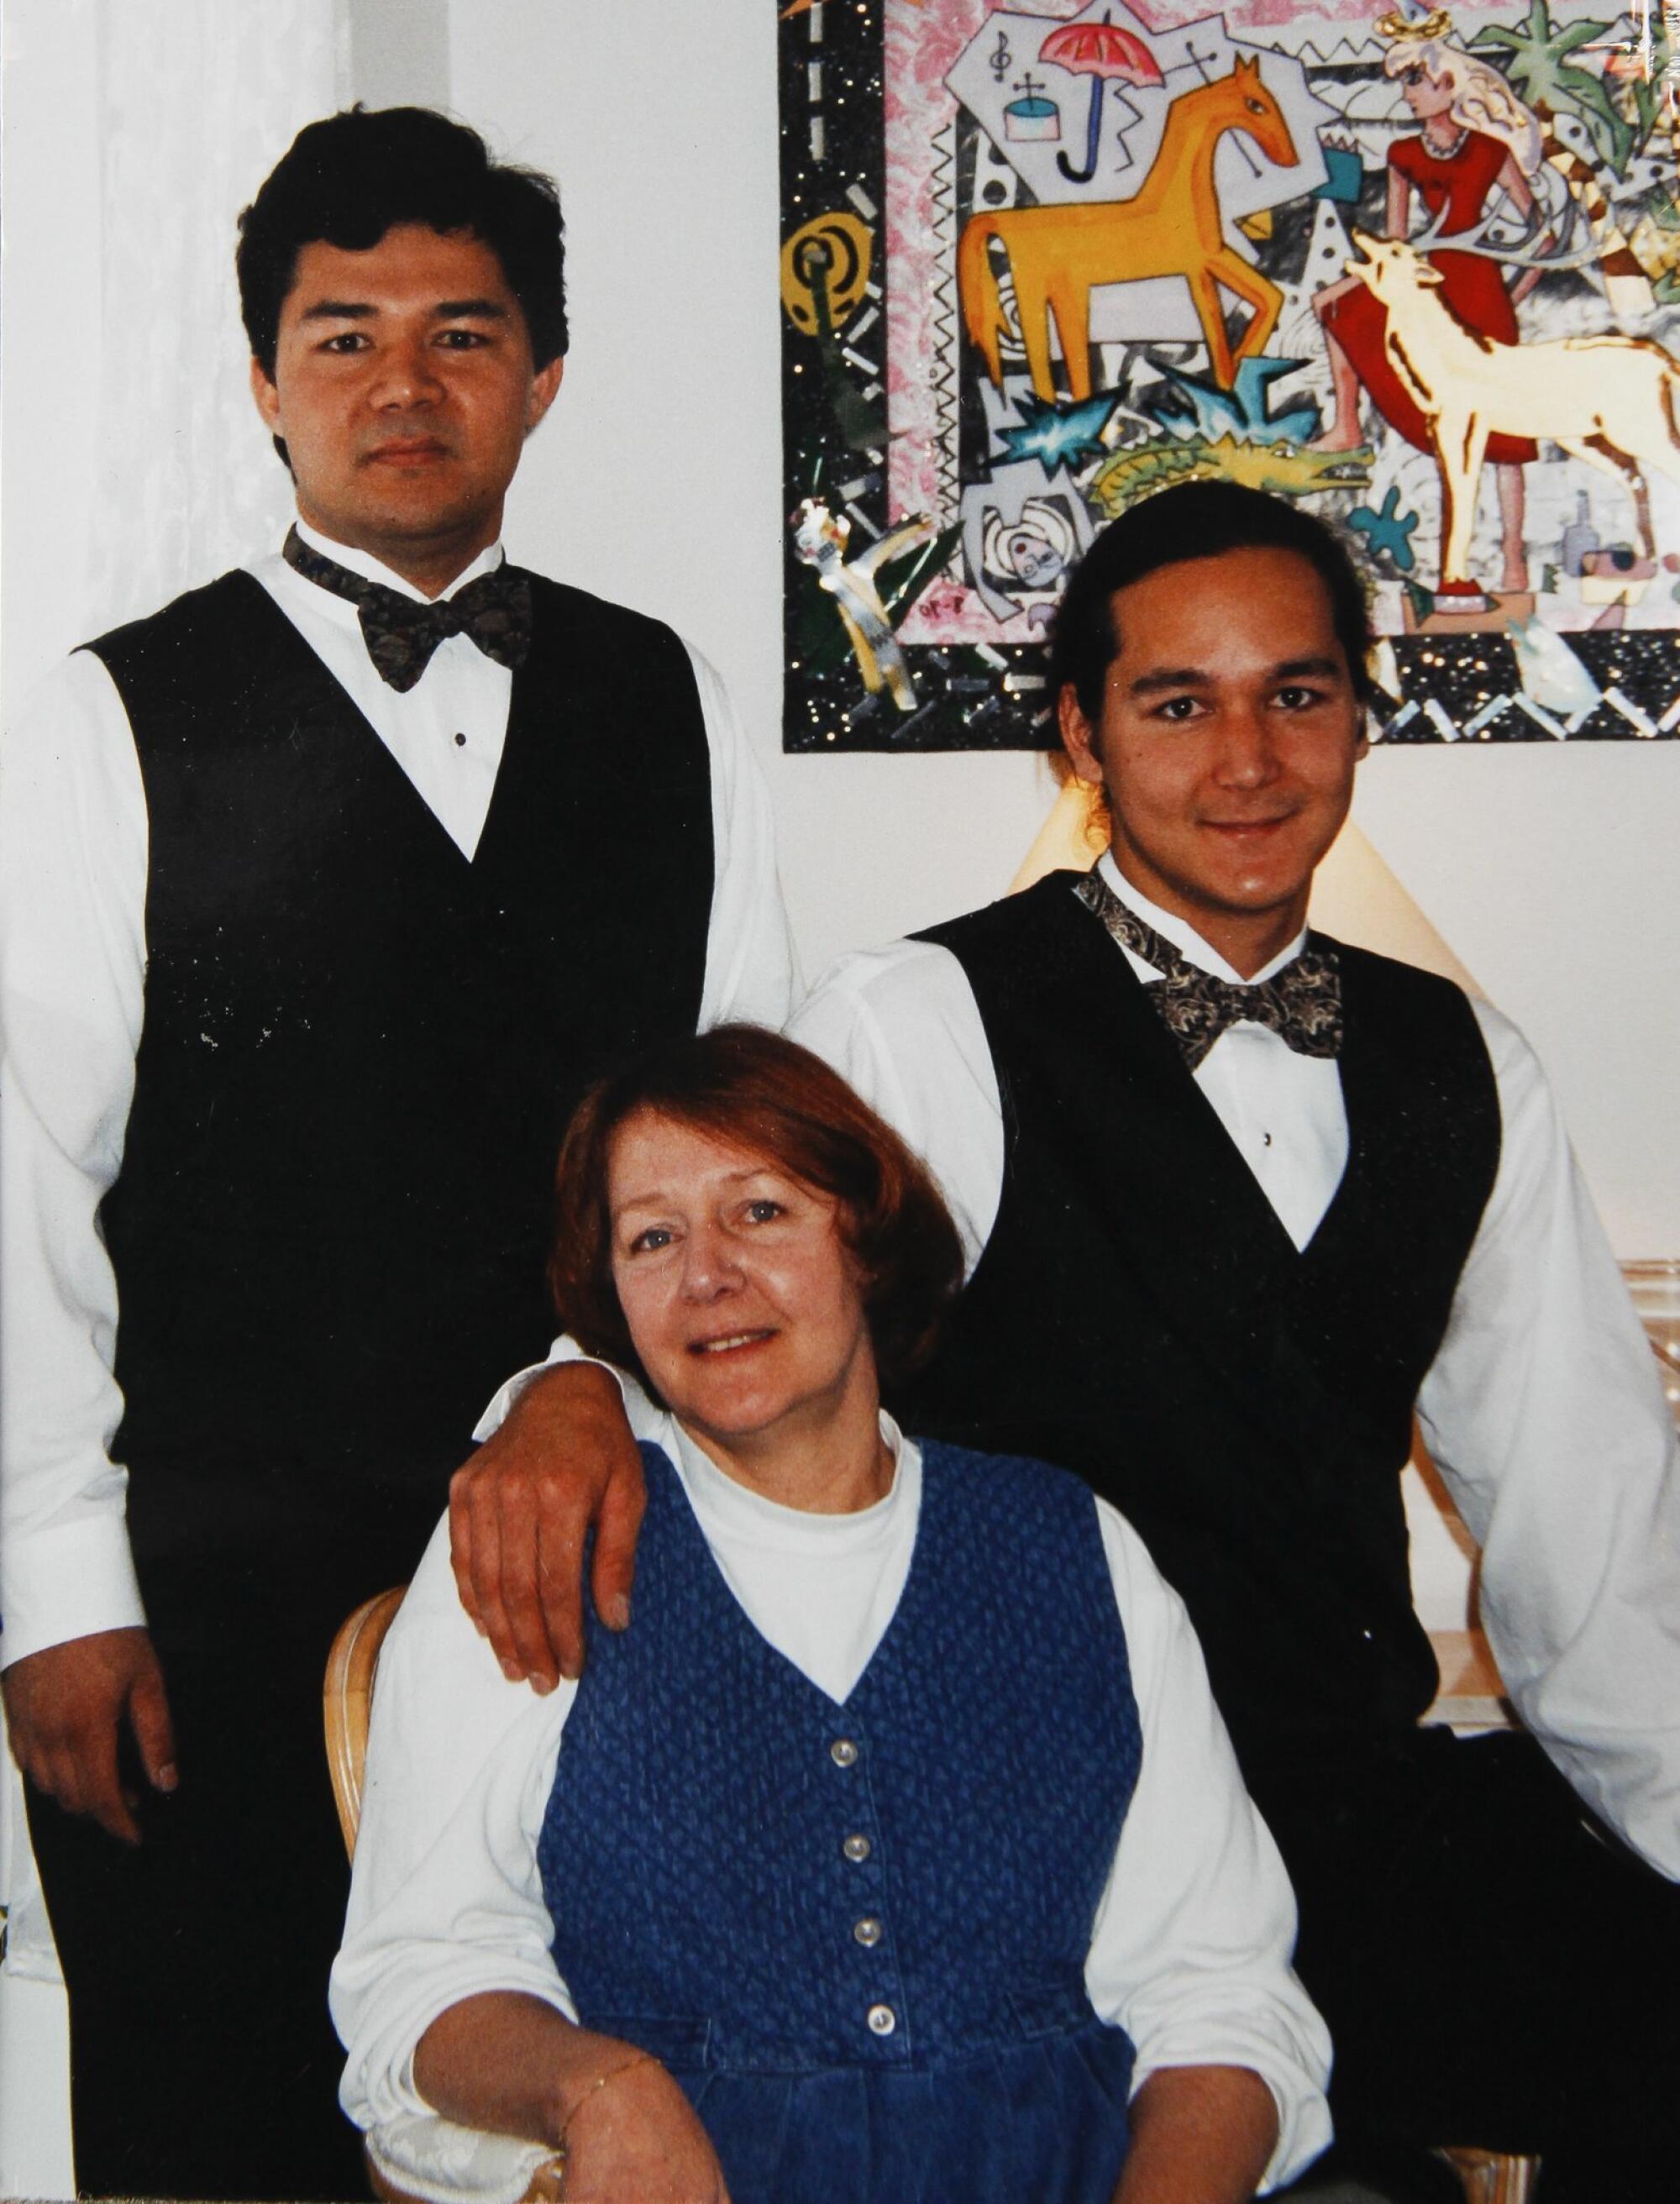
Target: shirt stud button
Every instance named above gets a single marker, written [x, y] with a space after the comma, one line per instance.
[882, 2020]
[867, 1931]
[857, 1847]
[843, 1752]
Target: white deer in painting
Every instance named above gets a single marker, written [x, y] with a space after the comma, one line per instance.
[1611, 401]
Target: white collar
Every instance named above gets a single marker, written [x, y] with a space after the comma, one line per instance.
[731, 1510]
[373, 570]
[1184, 936]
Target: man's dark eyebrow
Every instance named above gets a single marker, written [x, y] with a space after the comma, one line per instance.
[446, 309]
[1169, 677]
[1194, 677]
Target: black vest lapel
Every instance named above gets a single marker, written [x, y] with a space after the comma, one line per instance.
[1193, 1228]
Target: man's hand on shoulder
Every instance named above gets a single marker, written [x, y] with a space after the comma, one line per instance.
[65, 1706]
[519, 1510]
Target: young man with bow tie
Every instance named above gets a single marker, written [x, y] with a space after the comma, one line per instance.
[318, 923]
[1237, 1200]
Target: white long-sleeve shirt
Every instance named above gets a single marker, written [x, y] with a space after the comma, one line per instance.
[72, 952]
[1190, 1949]
[1543, 1409]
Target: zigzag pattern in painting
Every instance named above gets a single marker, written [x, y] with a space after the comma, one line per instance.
[943, 194]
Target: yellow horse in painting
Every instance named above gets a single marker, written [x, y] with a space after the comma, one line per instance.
[1059, 254]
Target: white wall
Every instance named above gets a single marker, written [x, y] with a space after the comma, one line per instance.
[50, 192]
[1553, 870]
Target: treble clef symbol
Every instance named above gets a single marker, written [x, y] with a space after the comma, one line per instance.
[1002, 59]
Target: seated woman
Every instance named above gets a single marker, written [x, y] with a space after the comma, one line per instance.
[896, 1851]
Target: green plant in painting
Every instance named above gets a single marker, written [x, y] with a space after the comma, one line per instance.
[1536, 59]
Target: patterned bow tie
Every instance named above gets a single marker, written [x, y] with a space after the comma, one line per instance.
[401, 632]
[1302, 1003]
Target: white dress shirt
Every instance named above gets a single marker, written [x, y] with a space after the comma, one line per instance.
[1543, 1409]
[73, 877]
[1190, 1949]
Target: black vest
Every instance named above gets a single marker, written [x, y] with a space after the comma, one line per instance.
[1140, 1314]
[360, 1047]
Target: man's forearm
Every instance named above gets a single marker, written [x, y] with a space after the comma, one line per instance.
[506, 2062]
[1543, 1412]
[1199, 2134]
[644, 1417]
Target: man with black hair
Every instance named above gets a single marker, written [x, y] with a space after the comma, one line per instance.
[316, 924]
[1237, 1200]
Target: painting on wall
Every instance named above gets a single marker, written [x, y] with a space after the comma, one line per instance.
[1418, 268]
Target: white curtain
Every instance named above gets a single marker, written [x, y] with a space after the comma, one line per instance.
[190, 103]
[196, 101]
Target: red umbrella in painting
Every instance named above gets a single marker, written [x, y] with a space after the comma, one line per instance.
[1097, 50]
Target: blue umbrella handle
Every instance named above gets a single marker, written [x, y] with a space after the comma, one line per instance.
[1093, 132]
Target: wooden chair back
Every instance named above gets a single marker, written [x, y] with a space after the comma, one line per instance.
[1491, 2177]
[347, 1699]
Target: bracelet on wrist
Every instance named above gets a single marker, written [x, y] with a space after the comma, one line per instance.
[612, 2074]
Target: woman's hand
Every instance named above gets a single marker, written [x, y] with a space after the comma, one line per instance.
[508, 2062]
[632, 2138]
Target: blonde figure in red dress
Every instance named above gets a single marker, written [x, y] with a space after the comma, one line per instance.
[1477, 139]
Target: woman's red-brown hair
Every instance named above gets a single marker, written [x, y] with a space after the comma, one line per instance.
[753, 1088]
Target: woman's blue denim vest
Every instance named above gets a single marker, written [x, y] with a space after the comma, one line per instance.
[856, 1933]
